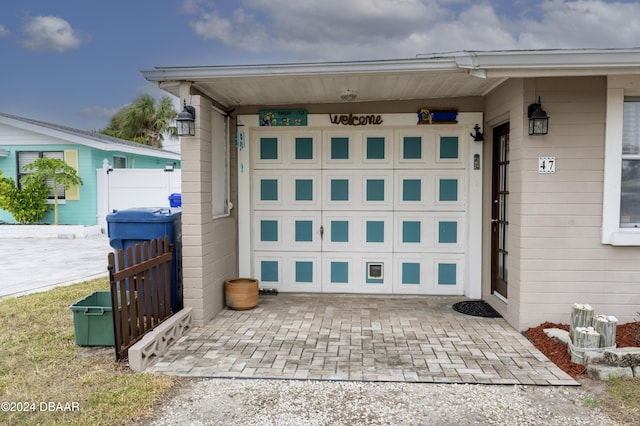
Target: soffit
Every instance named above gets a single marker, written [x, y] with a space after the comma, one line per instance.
[275, 90]
[450, 75]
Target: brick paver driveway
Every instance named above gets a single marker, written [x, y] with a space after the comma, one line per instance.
[360, 337]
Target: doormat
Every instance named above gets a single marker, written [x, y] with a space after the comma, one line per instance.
[476, 308]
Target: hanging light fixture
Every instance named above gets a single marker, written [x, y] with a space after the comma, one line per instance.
[538, 119]
[348, 95]
[186, 121]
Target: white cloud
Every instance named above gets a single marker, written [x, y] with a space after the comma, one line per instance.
[476, 28]
[50, 33]
[331, 29]
[213, 26]
[3, 31]
[370, 29]
[583, 23]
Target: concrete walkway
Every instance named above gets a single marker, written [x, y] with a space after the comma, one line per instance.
[38, 264]
[360, 337]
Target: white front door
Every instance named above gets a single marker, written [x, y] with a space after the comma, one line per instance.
[364, 210]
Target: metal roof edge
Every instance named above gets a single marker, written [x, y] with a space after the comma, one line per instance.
[195, 73]
[87, 138]
[549, 59]
[464, 60]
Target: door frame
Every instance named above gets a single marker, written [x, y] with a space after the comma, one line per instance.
[499, 211]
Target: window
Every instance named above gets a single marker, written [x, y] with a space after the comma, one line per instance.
[28, 157]
[621, 190]
[119, 162]
[630, 179]
[220, 164]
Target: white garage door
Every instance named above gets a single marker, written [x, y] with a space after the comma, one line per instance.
[360, 211]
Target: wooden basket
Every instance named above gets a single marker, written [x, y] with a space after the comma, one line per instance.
[241, 293]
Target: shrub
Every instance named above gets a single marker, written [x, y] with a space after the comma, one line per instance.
[27, 204]
[55, 171]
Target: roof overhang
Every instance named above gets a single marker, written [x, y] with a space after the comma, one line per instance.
[80, 137]
[552, 63]
[446, 75]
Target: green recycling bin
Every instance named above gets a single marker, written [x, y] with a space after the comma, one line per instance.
[93, 320]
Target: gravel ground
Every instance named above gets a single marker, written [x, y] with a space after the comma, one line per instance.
[290, 402]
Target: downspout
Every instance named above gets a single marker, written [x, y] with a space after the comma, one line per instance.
[470, 62]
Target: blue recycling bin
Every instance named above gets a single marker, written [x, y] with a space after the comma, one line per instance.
[175, 200]
[129, 227]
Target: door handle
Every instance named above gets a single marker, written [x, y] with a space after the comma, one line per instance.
[321, 231]
[494, 220]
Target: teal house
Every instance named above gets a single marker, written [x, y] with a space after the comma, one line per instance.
[23, 140]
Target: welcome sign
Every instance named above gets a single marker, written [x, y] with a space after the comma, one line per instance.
[289, 117]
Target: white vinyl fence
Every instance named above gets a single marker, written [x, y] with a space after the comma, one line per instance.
[130, 188]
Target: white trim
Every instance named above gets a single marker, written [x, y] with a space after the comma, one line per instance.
[617, 88]
[541, 62]
[500, 297]
[245, 268]
[550, 61]
[612, 162]
[160, 74]
[473, 281]
[220, 136]
[630, 237]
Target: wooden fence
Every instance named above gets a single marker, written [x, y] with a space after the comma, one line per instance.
[140, 278]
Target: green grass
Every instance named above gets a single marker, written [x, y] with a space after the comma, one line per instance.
[625, 394]
[41, 363]
[591, 402]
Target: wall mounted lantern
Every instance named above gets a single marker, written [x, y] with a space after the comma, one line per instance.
[478, 136]
[186, 121]
[538, 119]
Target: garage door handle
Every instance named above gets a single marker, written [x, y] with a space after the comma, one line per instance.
[321, 231]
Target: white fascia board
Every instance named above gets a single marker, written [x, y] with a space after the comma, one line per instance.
[66, 137]
[533, 63]
[141, 151]
[303, 69]
[563, 72]
[597, 59]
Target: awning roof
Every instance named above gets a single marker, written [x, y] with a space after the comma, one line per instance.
[445, 75]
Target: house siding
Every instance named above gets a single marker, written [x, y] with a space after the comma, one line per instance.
[556, 258]
[505, 104]
[73, 212]
[555, 254]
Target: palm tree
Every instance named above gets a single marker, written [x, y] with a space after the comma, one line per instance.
[144, 122]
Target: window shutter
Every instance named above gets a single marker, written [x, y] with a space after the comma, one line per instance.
[71, 158]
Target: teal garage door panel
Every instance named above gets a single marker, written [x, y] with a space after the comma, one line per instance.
[359, 211]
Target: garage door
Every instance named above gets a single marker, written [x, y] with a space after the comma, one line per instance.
[360, 211]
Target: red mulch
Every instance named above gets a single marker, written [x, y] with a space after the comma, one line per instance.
[626, 335]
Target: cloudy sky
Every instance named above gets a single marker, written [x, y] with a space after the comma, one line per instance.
[76, 62]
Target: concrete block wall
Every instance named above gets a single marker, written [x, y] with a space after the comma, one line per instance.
[209, 245]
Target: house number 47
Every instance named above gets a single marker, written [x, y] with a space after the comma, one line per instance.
[546, 164]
